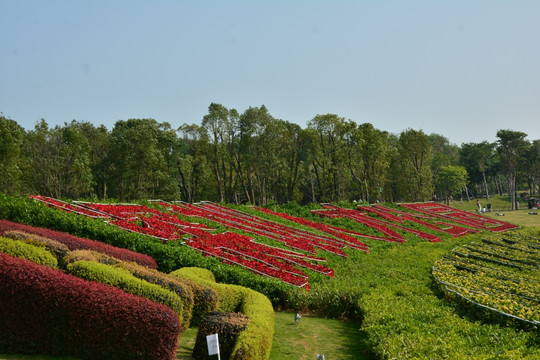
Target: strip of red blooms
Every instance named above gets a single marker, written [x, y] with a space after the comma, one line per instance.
[340, 233]
[77, 243]
[462, 217]
[444, 227]
[292, 237]
[231, 247]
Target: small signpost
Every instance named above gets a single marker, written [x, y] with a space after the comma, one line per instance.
[213, 345]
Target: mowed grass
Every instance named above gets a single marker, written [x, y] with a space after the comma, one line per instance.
[314, 335]
[502, 205]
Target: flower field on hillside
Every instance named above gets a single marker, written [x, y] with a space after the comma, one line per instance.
[297, 249]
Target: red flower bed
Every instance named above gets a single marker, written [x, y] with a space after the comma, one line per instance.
[292, 237]
[339, 233]
[77, 243]
[469, 219]
[46, 311]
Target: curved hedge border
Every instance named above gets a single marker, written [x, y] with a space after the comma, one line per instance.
[76, 317]
[123, 279]
[169, 256]
[198, 300]
[20, 249]
[255, 342]
[56, 248]
[499, 276]
[77, 243]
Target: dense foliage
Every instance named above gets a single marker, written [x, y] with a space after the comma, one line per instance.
[252, 157]
[79, 318]
[499, 275]
[255, 342]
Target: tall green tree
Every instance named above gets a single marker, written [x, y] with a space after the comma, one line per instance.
[415, 180]
[59, 160]
[12, 136]
[218, 125]
[511, 145]
[478, 158]
[533, 167]
[329, 155]
[138, 167]
[369, 160]
[450, 180]
[444, 152]
[194, 174]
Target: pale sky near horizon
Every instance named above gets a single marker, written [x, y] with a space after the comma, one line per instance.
[462, 69]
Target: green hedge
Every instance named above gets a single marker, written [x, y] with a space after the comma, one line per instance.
[124, 280]
[56, 248]
[255, 342]
[20, 249]
[198, 300]
[169, 256]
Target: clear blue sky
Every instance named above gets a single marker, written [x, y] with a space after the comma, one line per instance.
[463, 69]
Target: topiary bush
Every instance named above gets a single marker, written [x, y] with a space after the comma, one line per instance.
[227, 325]
[124, 280]
[255, 342]
[20, 249]
[45, 311]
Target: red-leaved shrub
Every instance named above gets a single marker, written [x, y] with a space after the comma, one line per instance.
[77, 243]
[46, 311]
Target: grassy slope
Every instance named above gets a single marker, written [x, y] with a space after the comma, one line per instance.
[403, 316]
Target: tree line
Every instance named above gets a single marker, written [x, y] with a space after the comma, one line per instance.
[252, 157]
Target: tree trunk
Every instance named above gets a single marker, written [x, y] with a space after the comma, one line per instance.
[485, 185]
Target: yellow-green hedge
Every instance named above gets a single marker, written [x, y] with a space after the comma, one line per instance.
[255, 342]
[123, 279]
[20, 249]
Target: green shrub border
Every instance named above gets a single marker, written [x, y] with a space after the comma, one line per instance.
[124, 280]
[255, 342]
[23, 250]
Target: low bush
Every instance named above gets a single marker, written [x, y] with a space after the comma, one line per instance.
[20, 249]
[45, 311]
[77, 243]
[90, 255]
[56, 248]
[255, 342]
[198, 300]
[227, 325]
[124, 280]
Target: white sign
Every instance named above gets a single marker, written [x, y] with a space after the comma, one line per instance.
[213, 344]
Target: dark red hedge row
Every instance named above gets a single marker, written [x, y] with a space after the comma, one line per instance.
[77, 243]
[45, 311]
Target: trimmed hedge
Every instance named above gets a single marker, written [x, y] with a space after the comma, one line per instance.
[45, 311]
[255, 342]
[169, 256]
[227, 325]
[198, 300]
[90, 255]
[56, 248]
[20, 249]
[77, 243]
[124, 280]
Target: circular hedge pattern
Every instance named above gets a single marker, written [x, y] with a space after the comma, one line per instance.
[498, 275]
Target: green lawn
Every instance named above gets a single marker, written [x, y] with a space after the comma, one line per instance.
[404, 316]
[501, 205]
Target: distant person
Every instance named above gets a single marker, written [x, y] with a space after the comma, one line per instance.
[484, 209]
[479, 207]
